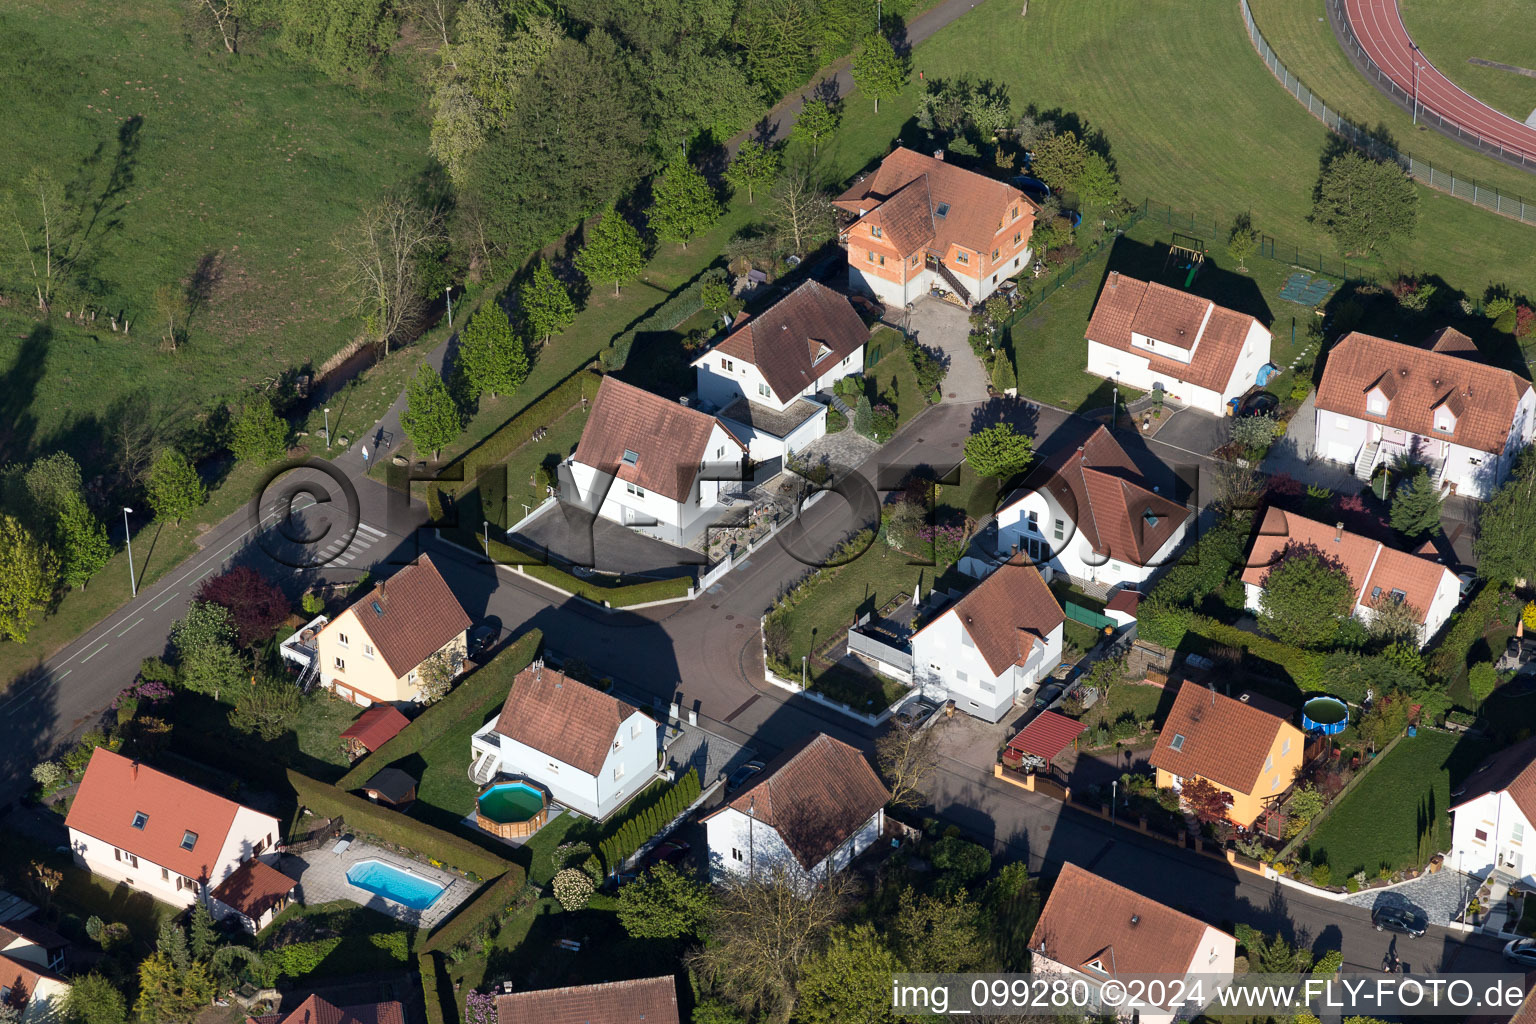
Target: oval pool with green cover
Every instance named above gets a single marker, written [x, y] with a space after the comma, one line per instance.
[512, 809]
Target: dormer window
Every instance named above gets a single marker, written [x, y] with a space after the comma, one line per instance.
[1376, 402]
[140, 819]
[1151, 519]
[942, 210]
[630, 458]
[1445, 420]
[188, 840]
[962, 257]
[1398, 595]
[1015, 214]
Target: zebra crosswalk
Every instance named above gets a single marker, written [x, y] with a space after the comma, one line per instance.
[341, 552]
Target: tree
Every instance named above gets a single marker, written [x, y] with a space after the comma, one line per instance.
[224, 16]
[682, 203]
[999, 451]
[546, 305]
[82, 543]
[339, 37]
[430, 419]
[1416, 507]
[1393, 620]
[1059, 160]
[1305, 804]
[380, 266]
[255, 605]
[1482, 678]
[1243, 242]
[849, 981]
[436, 675]
[1363, 203]
[1385, 721]
[1305, 595]
[174, 488]
[204, 642]
[801, 213]
[817, 122]
[93, 999]
[906, 757]
[939, 933]
[779, 37]
[1505, 546]
[960, 861]
[878, 69]
[171, 307]
[1255, 434]
[1010, 906]
[172, 993]
[756, 167]
[28, 573]
[665, 904]
[864, 417]
[1097, 183]
[612, 251]
[491, 355]
[1205, 801]
[45, 226]
[1273, 955]
[202, 939]
[259, 435]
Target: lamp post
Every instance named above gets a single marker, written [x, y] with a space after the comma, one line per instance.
[1415, 85]
[802, 671]
[447, 288]
[327, 426]
[487, 536]
[1114, 408]
[128, 537]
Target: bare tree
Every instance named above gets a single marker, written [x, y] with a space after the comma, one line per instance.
[432, 15]
[762, 930]
[379, 265]
[436, 675]
[43, 232]
[907, 757]
[171, 305]
[1237, 484]
[801, 212]
[225, 15]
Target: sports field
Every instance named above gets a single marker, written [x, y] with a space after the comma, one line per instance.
[1193, 118]
[1496, 30]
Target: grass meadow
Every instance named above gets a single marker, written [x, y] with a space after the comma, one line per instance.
[1498, 30]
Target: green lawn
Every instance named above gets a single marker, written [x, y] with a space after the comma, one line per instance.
[1380, 821]
[80, 894]
[1138, 699]
[891, 380]
[201, 731]
[1498, 30]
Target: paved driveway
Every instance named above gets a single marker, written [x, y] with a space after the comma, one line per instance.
[1193, 431]
[576, 536]
[943, 326]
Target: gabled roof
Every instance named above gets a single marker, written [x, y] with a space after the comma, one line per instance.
[645, 1001]
[28, 932]
[668, 439]
[568, 720]
[1160, 313]
[1453, 342]
[798, 339]
[116, 790]
[1111, 504]
[394, 784]
[1224, 739]
[315, 1010]
[1047, 735]
[1090, 920]
[254, 888]
[1486, 396]
[378, 725]
[815, 795]
[1512, 769]
[1007, 614]
[410, 616]
[1371, 565]
[21, 979]
[915, 186]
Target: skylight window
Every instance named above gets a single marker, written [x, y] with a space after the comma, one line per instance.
[1178, 742]
[942, 210]
[140, 819]
[1150, 517]
[630, 458]
[1399, 595]
[378, 609]
[188, 840]
[1375, 593]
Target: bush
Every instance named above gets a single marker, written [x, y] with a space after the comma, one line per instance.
[1161, 622]
[352, 953]
[1322, 874]
[1205, 568]
[1466, 629]
[836, 421]
[312, 603]
[573, 888]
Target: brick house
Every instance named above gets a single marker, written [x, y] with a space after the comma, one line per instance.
[923, 222]
[642, 1001]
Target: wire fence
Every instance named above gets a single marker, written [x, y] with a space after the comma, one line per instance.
[1468, 189]
[1270, 248]
[1066, 273]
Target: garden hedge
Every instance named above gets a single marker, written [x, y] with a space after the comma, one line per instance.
[1306, 668]
[432, 992]
[341, 954]
[518, 430]
[393, 827]
[667, 317]
[482, 688]
[492, 900]
[645, 818]
[1466, 628]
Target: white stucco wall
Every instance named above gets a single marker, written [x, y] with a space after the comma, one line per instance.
[627, 769]
[1507, 838]
[45, 1003]
[944, 661]
[721, 386]
[763, 446]
[1134, 371]
[740, 845]
[1071, 554]
[656, 514]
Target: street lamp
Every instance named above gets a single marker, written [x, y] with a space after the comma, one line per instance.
[128, 537]
[487, 535]
[449, 299]
[327, 426]
[1114, 407]
[1416, 85]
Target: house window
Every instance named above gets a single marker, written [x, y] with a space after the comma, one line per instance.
[736, 854]
[1034, 521]
[378, 609]
[341, 638]
[965, 638]
[1018, 236]
[635, 730]
[882, 261]
[765, 391]
[1178, 742]
[341, 665]
[1517, 833]
[1274, 783]
[961, 677]
[962, 257]
[870, 255]
[554, 768]
[1285, 748]
[726, 364]
[1398, 595]
[368, 649]
[1479, 835]
[914, 261]
[411, 677]
[1015, 214]
[638, 492]
[987, 687]
[618, 772]
[1114, 566]
[1445, 422]
[1061, 529]
[1269, 764]
[1015, 264]
[1376, 402]
[165, 876]
[630, 458]
[140, 819]
[188, 840]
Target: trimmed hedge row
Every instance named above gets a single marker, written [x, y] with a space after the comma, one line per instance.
[1466, 628]
[483, 687]
[394, 827]
[596, 588]
[638, 828]
[427, 965]
[668, 315]
[1307, 669]
[349, 954]
[518, 430]
[490, 902]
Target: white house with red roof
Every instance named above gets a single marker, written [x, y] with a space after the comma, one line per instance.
[1149, 337]
[924, 222]
[34, 991]
[1381, 402]
[761, 377]
[657, 467]
[1378, 573]
[591, 751]
[158, 835]
[813, 809]
[640, 1001]
[1090, 513]
[1493, 816]
[991, 649]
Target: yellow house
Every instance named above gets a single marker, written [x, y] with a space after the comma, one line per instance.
[1244, 745]
[372, 652]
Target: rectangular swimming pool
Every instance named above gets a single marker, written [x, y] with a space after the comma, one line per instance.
[403, 887]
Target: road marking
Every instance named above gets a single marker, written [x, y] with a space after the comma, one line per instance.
[341, 561]
[61, 675]
[93, 654]
[134, 623]
[378, 534]
[164, 602]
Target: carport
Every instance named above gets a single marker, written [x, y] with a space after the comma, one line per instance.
[1044, 737]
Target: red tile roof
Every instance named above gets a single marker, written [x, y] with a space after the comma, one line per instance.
[410, 616]
[1008, 613]
[1160, 313]
[814, 795]
[645, 1001]
[1417, 381]
[1370, 563]
[376, 726]
[670, 439]
[908, 189]
[1047, 735]
[556, 715]
[1090, 920]
[254, 888]
[798, 339]
[115, 789]
[1225, 739]
[21, 979]
[315, 1010]
[1512, 769]
[1125, 602]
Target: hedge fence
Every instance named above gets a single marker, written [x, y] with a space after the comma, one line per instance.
[643, 822]
[491, 900]
[475, 695]
[597, 588]
[391, 826]
[667, 317]
[433, 991]
[518, 430]
[340, 954]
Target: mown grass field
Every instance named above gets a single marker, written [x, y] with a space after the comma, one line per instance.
[1498, 30]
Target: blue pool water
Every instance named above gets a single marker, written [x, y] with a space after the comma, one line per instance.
[388, 881]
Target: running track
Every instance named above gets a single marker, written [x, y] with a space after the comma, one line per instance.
[1379, 26]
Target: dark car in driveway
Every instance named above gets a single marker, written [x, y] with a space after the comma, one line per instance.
[1409, 921]
[743, 775]
[673, 851]
[916, 711]
[1049, 695]
[1258, 403]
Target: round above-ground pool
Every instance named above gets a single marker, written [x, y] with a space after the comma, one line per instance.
[512, 809]
[1327, 715]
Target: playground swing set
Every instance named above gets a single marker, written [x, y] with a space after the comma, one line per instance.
[1190, 254]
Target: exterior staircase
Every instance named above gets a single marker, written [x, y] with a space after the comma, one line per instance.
[484, 769]
[840, 405]
[1365, 462]
[953, 282]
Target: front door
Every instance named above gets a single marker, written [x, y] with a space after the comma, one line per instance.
[1510, 862]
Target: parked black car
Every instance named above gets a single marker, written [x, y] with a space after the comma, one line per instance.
[1049, 695]
[1257, 403]
[1404, 920]
[743, 775]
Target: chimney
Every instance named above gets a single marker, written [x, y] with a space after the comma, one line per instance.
[1114, 279]
[938, 154]
[1338, 532]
